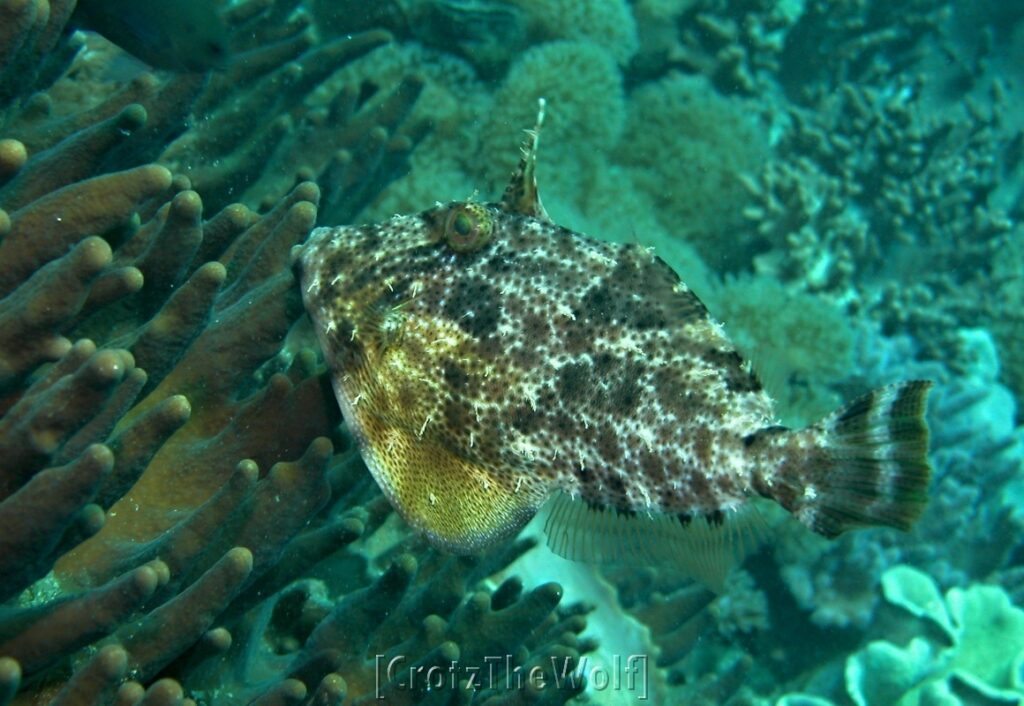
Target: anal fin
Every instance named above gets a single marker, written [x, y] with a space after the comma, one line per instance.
[702, 549]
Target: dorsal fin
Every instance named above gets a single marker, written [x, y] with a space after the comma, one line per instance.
[702, 549]
[521, 195]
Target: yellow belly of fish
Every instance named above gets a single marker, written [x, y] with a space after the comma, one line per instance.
[459, 504]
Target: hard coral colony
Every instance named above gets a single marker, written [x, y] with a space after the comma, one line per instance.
[170, 476]
[184, 515]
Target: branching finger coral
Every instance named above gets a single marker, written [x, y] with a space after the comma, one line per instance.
[169, 475]
[33, 49]
[227, 156]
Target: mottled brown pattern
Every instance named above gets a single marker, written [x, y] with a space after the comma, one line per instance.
[486, 357]
[575, 354]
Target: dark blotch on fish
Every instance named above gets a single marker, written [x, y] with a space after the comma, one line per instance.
[525, 362]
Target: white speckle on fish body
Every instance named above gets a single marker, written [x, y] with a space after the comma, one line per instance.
[530, 361]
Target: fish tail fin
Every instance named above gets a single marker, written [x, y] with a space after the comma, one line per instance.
[865, 464]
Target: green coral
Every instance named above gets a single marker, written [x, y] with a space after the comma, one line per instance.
[799, 343]
[965, 648]
[688, 148]
[445, 164]
[609, 23]
[584, 119]
[916, 593]
[980, 663]
[663, 10]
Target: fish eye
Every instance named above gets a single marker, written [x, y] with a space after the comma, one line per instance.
[468, 228]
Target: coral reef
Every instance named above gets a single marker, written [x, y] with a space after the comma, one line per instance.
[607, 23]
[803, 48]
[842, 183]
[577, 78]
[964, 648]
[874, 182]
[351, 140]
[800, 352]
[33, 47]
[201, 126]
[688, 148]
[451, 103]
[170, 487]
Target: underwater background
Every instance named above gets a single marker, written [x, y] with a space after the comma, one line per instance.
[184, 517]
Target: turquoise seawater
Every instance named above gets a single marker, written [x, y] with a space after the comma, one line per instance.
[186, 512]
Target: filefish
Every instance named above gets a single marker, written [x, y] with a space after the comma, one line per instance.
[488, 360]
